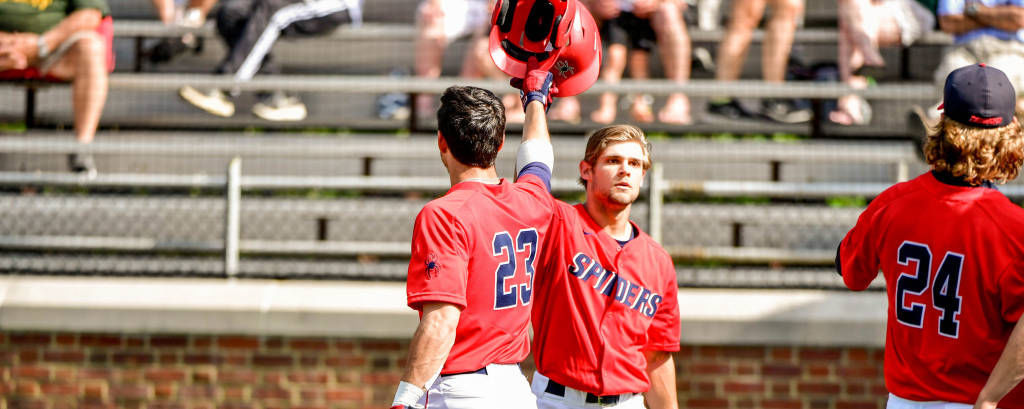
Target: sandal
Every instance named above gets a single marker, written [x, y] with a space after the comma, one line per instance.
[641, 110]
[852, 110]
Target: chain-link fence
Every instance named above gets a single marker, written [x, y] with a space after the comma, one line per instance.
[733, 213]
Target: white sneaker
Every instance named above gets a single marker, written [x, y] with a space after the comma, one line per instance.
[214, 101]
[279, 107]
[191, 18]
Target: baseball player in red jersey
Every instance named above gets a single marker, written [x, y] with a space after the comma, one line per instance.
[606, 317]
[951, 248]
[474, 257]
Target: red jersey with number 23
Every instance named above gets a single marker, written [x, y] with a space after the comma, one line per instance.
[953, 260]
[600, 306]
[476, 247]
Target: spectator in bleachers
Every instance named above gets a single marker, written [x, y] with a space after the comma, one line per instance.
[864, 26]
[62, 40]
[172, 13]
[438, 23]
[250, 28]
[192, 14]
[634, 26]
[779, 31]
[985, 31]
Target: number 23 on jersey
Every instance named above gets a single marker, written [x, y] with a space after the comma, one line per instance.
[508, 294]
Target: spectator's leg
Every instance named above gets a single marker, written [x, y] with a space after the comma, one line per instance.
[616, 33]
[85, 66]
[165, 9]
[863, 27]
[779, 38]
[203, 7]
[639, 69]
[430, 44]
[232, 18]
[733, 49]
[860, 22]
[611, 72]
[268, 20]
[674, 45]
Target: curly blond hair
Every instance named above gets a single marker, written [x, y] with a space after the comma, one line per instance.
[975, 154]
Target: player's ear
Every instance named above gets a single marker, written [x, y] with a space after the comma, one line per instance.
[442, 145]
[586, 171]
[502, 145]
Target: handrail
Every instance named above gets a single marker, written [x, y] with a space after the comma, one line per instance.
[407, 32]
[415, 147]
[742, 255]
[375, 84]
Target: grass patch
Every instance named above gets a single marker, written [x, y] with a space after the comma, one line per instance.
[13, 127]
[846, 201]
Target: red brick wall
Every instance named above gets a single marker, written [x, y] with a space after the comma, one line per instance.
[69, 370]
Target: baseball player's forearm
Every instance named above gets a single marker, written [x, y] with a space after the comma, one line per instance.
[661, 370]
[536, 145]
[536, 125]
[431, 343]
[1007, 374]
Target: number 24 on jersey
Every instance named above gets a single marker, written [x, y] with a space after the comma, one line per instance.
[945, 286]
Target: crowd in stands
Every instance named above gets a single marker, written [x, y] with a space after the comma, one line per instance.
[70, 41]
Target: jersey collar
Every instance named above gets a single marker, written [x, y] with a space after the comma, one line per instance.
[590, 224]
[948, 179]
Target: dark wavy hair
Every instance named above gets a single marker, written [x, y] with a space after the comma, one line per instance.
[472, 122]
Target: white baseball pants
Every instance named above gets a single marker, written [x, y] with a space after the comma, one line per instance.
[502, 387]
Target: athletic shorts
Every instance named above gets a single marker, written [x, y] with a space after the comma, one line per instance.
[629, 30]
[106, 31]
[913, 19]
[462, 17]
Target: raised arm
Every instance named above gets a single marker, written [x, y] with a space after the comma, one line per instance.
[535, 155]
[1007, 374]
[428, 351]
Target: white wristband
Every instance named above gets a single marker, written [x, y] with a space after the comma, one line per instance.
[408, 394]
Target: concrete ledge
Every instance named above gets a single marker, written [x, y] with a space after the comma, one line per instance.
[378, 310]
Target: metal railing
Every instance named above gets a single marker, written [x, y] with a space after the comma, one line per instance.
[233, 182]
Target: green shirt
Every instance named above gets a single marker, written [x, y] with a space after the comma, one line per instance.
[38, 16]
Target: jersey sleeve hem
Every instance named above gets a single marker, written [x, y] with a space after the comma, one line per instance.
[666, 347]
[416, 301]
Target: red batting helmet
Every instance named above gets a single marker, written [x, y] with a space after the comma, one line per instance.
[578, 63]
[529, 28]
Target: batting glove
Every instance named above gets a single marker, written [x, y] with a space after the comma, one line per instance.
[537, 86]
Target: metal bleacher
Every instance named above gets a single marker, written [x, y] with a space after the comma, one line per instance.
[384, 43]
[327, 200]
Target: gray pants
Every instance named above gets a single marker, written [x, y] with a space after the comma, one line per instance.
[250, 28]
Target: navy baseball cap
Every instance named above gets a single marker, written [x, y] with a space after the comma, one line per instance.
[980, 96]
